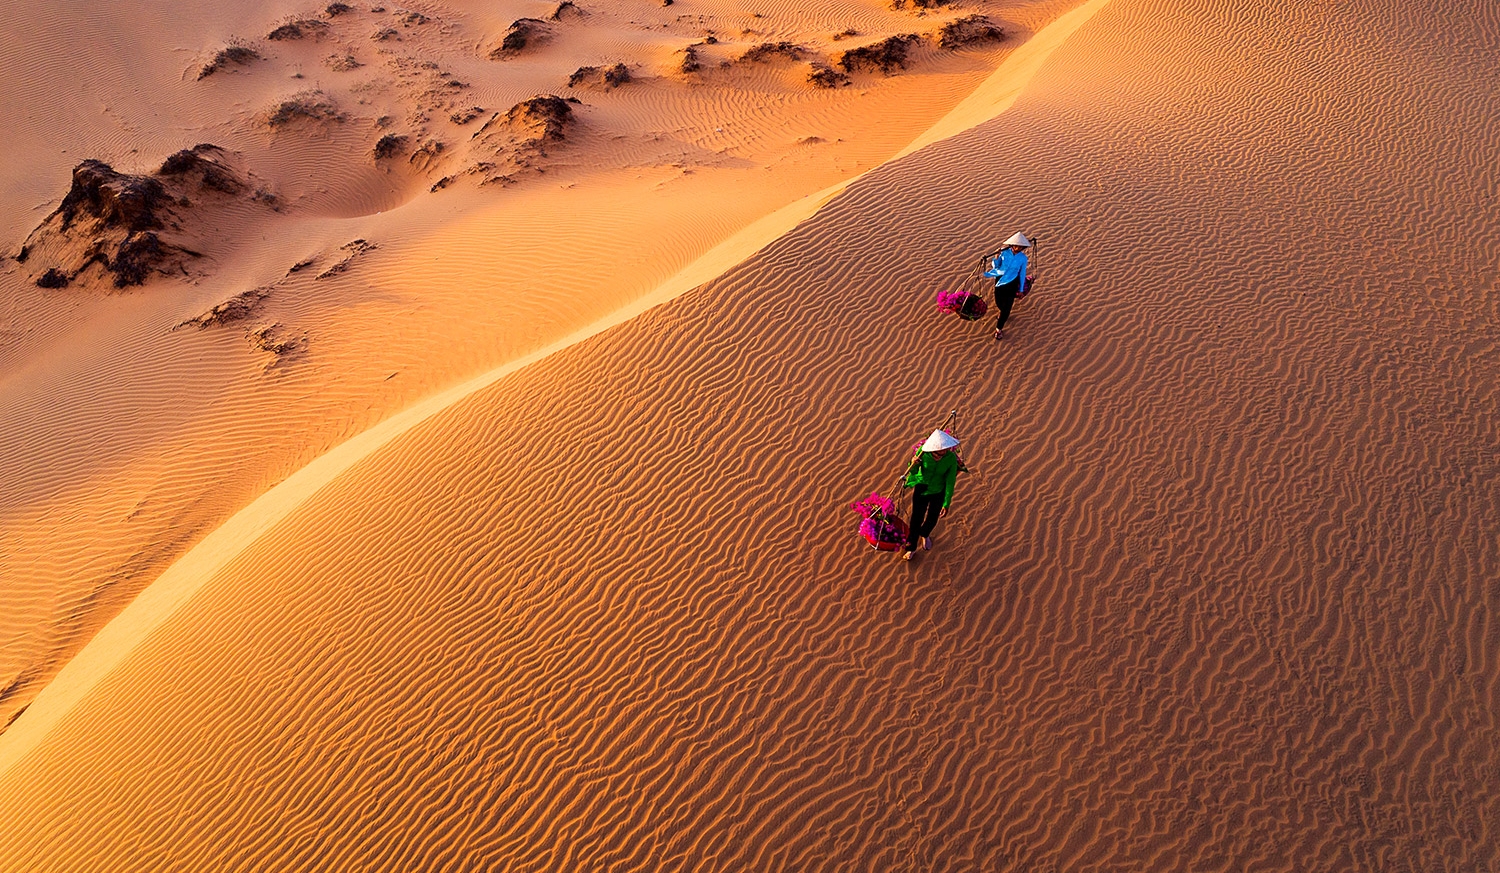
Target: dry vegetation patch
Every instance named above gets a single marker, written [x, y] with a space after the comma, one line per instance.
[306, 105]
[600, 77]
[232, 55]
[969, 30]
[886, 56]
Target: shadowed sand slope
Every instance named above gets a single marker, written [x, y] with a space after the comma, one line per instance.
[1219, 596]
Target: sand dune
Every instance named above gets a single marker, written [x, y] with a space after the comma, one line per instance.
[1219, 595]
[128, 438]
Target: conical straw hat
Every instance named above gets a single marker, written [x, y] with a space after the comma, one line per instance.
[1019, 240]
[939, 440]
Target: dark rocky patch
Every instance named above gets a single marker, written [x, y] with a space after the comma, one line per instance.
[354, 248]
[117, 220]
[142, 254]
[201, 162]
[920, 4]
[53, 278]
[413, 19]
[886, 56]
[845, 34]
[334, 10]
[342, 63]
[521, 135]
[389, 146]
[299, 29]
[231, 55]
[309, 105]
[768, 51]
[826, 77]
[969, 30]
[604, 77]
[692, 62]
[385, 34]
[522, 34]
[269, 338]
[237, 308]
[113, 200]
[464, 116]
[543, 118]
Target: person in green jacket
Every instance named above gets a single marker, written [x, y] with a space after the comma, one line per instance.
[932, 474]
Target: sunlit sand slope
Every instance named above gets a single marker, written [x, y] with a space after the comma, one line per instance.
[1219, 597]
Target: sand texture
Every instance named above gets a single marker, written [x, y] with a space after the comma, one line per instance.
[1219, 594]
[401, 207]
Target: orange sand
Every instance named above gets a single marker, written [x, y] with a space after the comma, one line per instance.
[1219, 594]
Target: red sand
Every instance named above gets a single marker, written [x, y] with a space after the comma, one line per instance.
[1219, 596]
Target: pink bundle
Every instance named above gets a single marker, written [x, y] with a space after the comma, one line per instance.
[882, 528]
[873, 506]
[964, 304]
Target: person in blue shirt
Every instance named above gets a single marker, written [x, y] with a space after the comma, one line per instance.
[1008, 269]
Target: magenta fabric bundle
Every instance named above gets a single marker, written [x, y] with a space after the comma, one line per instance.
[873, 506]
[962, 303]
[881, 526]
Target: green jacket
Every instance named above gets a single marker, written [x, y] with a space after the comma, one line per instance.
[933, 474]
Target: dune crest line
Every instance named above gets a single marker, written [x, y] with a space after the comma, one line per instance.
[180, 582]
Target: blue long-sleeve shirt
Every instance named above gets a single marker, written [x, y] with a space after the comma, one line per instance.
[1007, 266]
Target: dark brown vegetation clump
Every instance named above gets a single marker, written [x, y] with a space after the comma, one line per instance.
[270, 338]
[299, 29]
[518, 138]
[118, 220]
[353, 249]
[342, 63]
[826, 77]
[919, 4]
[107, 218]
[887, 56]
[308, 105]
[768, 51]
[389, 146]
[237, 308]
[464, 116]
[969, 30]
[692, 62]
[522, 34]
[540, 119]
[200, 165]
[113, 200]
[604, 77]
[413, 19]
[230, 55]
[334, 10]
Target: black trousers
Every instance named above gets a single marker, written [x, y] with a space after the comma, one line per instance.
[1005, 296]
[924, 516]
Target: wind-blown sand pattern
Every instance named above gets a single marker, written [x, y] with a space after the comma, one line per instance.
[1220, 595]
[137, 424]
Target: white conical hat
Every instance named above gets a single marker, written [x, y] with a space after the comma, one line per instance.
[1019, 240]
[939, 440]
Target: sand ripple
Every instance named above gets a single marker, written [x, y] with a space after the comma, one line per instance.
[1219, 597]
